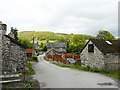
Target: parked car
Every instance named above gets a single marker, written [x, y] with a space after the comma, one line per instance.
[70, 60]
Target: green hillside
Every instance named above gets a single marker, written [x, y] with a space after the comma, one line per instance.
[75, 42]
[47, 35]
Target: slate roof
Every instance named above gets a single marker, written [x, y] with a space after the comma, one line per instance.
[18, 43]
[105, 47]
[55, 51]
[56, 45]
[52, 49]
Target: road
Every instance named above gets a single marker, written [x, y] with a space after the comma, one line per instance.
[52, 76]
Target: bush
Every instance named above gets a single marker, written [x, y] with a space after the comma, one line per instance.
[45, 58]
[35, 58]
[78, 62]
[30, 70]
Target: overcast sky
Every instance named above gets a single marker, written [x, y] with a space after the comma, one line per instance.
[63, 16]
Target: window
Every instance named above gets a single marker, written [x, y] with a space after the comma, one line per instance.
[90, 48]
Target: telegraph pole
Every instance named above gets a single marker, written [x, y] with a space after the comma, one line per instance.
[33, 46]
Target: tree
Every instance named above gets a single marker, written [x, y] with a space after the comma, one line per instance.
[61, 39]
[77, 39]
[26, 43]
[76, 43]
[14, 31]
[44, 48]
[105, 35]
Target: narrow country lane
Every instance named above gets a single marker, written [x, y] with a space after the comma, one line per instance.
[52, 76]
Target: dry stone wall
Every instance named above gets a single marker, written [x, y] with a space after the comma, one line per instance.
[112, 61]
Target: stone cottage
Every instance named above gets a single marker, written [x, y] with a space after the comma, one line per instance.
[12, 53]
[101, 54]
[60, 47]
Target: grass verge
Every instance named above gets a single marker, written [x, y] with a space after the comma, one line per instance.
[30, 70]
[35, 58]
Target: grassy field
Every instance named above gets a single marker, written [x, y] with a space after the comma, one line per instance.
[45, 42]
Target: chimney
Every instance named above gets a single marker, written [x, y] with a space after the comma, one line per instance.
[3, 28]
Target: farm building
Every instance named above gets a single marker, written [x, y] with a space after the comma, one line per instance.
[101, 54]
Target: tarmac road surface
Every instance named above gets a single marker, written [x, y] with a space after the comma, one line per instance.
[52, 76]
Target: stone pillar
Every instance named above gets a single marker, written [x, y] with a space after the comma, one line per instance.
[3, 28]
[0, 59]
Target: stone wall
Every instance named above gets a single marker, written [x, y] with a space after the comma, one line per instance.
[13, 57]
[0, 50]
[112, 61]
[0, 56]
[92, 59]
[6, 56]
[18, 55]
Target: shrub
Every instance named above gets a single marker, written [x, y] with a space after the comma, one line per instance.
[30, 70]
[35, 58]
[78, 62]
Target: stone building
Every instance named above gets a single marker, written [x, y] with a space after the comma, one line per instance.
[101, 54]
[12, 53]
[60, 47]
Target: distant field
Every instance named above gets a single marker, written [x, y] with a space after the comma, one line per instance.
[51, 36]
[45, 42]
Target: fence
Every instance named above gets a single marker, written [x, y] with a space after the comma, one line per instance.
[74, 56]
[60, 58]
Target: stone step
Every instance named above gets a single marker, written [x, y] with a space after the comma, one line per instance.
[8, 81]
[10, 76]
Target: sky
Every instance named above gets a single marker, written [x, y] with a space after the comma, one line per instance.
[63, 16]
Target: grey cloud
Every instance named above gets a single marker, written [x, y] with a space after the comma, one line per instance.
[67, 16]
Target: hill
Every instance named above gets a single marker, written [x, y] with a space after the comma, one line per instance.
[75, 42]
[48, 35]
